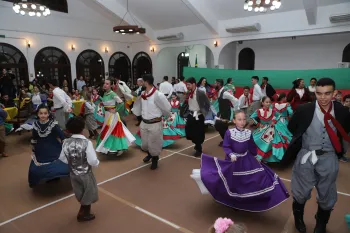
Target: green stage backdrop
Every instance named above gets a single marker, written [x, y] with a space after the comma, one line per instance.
[280, 79]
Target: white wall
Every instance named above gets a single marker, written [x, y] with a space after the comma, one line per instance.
[227, 57]
[166, 61]
[312, 52]
[199, 51]
[272, 26]
[210, 58]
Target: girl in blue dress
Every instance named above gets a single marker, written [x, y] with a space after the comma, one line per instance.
[99, 112]
[176, 121]
[272, 136]
[47, 145]
[283, 108]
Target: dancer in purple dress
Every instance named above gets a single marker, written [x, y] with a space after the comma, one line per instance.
[240, 181]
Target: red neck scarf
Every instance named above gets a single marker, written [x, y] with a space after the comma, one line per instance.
[246, 100]
[251, 94]
[175, 104]
[265, 110]
[144, 96]
[192, 93]
[95, 97]
[331, 133]
[263, 86]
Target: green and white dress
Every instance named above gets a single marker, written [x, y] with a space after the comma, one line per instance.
[271, 140]
[231, 88]
[114, 137]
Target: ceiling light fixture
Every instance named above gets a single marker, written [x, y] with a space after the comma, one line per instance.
[129, 29]
[31, 8]
[262, 5]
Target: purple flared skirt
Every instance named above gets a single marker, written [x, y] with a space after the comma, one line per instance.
[245, 184]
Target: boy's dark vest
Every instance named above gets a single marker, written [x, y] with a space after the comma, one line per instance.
[224, 107]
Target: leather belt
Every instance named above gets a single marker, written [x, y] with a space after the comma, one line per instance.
[58, 108]
[320, 152]
[152, 121]
[198, 113]
[223, 120]
[179, 92]
[109, 107]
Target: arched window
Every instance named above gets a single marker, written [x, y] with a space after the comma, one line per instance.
[54, 5]
[182, 61]
[119, 65]
[52, 63]
[90, 64]
[141, 64]
[246, 59]
[346, 54]
[13, 59]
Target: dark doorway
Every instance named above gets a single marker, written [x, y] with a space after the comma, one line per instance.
[119, 65]
[346, 54]
[141, 64]
[13, 59]
[90, 64]
[182, 61]
[52, 63]
[246, 59]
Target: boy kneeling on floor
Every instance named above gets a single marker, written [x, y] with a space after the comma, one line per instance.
[79, 153]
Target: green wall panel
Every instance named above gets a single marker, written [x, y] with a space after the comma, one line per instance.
[280, 79]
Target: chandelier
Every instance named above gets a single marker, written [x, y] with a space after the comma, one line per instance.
[31, 8]
[262, 5]
[128, 29]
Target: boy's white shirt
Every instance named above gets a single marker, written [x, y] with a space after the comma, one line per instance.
[241, 101]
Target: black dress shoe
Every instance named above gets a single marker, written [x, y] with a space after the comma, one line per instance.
[197, 154]
[147, 158]
[220, 144]
[154, 165]
[86, 218]
[85, 214]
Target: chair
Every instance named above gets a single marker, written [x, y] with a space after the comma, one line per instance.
[23, 113]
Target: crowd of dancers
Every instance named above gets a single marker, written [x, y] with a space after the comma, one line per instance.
[266, 128]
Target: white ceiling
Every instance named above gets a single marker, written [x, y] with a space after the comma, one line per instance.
[331, 2]
[166, 14]
[229, 9]
[162, 14]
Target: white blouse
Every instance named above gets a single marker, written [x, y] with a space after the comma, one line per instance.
[300, 92]
[36, 99]
[312, 89]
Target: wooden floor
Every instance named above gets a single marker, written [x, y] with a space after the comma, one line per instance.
[134, 199]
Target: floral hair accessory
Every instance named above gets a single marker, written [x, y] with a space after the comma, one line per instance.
[221, 225]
